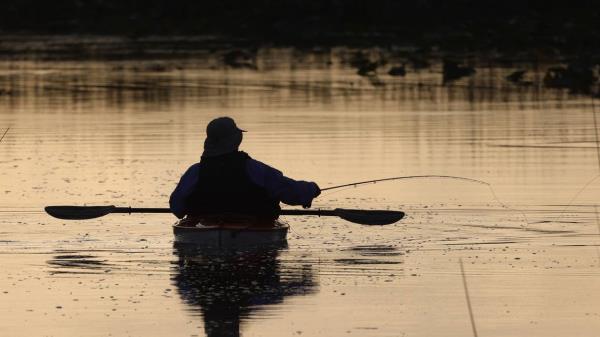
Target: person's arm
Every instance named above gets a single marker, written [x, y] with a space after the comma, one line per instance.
[186, 185]
[280, 187]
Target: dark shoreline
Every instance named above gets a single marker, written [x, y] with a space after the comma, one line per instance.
[459, 26]
[97, 46]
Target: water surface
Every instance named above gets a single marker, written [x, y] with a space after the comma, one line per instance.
[123, 131]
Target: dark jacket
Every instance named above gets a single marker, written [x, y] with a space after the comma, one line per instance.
[237, 183]
[225, 187]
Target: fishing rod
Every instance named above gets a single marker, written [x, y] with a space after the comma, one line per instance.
[404, 177]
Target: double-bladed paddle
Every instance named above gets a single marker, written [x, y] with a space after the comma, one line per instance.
[363, 217]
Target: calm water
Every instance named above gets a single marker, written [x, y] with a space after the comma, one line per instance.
[123, 131]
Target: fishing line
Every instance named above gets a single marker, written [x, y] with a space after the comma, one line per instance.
[305, 236]
[375, 181]
[587, 184]
[297, 234]
[591, 180]
[495, 196]
[5, 132]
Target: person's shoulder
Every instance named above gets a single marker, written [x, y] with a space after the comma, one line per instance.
[260, 165]
[258, 168]
[193, 168]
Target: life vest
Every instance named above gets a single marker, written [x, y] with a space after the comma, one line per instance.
[225, 187]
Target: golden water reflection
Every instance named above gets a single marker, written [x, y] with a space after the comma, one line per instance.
[122, 131]
[228, 287]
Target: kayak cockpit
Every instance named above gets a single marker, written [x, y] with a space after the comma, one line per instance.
[221, 232]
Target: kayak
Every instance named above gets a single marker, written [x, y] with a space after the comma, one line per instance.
[230, 233]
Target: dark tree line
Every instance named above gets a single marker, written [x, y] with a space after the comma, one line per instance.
[451, 23]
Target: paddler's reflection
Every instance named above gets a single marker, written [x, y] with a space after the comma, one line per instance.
[229, 286]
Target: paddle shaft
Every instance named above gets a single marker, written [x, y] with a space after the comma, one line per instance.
[130, 210]
[363, 217]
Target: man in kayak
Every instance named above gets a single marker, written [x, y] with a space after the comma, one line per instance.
[227, 180]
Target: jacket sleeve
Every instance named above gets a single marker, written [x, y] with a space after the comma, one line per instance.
[280, 187]
[185, 186]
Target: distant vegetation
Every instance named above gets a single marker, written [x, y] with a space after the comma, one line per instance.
[447, 24]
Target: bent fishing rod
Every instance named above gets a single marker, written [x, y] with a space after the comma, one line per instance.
[374, 181]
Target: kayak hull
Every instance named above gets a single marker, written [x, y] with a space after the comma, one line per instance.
[229, 235]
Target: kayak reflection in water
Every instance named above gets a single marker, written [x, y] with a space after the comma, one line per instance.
[229, 287]
[227, 180]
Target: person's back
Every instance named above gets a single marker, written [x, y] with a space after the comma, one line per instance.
[224, 186]
[228, 181]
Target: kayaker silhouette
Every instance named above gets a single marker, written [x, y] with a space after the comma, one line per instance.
[229, 181]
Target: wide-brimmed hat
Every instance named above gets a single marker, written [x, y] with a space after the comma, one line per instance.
[222, 137]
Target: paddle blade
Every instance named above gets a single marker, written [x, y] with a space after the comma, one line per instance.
[78, 212]
[369, 217]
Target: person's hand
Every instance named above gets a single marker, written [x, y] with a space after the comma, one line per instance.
[317, 193]
[317, 190]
